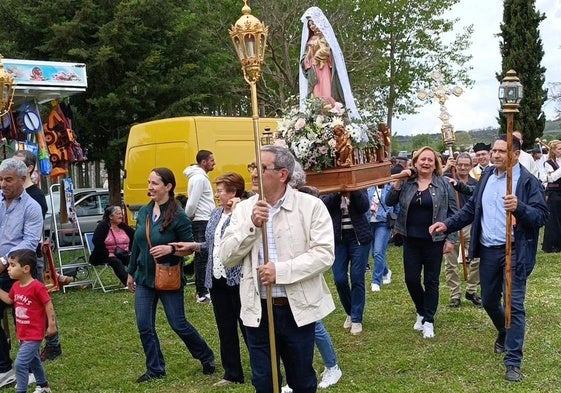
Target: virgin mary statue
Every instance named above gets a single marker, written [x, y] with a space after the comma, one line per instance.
[323, 73]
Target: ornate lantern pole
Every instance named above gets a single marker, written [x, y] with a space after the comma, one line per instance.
[6, 89]
[510, 95]
[249, 36]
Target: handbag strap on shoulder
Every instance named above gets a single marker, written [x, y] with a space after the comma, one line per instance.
[148, 234]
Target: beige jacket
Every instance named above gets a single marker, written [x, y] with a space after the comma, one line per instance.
[304, 238]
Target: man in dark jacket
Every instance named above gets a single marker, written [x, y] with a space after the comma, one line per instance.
[353, 237]
[487, 211]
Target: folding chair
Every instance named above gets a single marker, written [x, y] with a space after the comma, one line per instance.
[98, 282]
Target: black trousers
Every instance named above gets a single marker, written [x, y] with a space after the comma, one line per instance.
[201, 258]
[226, 305]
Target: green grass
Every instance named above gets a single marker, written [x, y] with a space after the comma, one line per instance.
[102, 351]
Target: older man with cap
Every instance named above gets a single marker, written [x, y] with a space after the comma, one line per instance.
[482, 157]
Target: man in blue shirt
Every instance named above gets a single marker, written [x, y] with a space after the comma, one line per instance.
[487, 211]
[21, 225]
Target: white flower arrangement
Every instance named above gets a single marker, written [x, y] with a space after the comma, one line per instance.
[309, 133]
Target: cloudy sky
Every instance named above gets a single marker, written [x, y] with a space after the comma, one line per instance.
[478, 106]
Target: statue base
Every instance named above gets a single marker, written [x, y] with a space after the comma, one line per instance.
[356, 177]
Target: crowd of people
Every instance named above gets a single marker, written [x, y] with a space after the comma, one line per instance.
[444, 215]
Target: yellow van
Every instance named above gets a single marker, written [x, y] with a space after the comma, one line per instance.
[174, 143]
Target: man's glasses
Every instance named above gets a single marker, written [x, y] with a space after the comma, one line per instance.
[251, 167]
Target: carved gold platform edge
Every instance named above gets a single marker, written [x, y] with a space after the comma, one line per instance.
[356, 177]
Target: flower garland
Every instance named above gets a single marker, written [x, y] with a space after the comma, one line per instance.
[308, 134]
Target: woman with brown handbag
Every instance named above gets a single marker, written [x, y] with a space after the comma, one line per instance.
[160, 222]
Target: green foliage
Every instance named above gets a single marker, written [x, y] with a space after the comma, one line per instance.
[102, 351]
[522, 51]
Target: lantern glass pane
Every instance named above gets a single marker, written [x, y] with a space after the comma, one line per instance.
[250, 45]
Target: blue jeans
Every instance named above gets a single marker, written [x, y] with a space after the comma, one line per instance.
[381, 235]
[295, 346]
[28, 360]
[325, 346]
[491, 273]
[146, 300]
[423, 255]
[350, 251]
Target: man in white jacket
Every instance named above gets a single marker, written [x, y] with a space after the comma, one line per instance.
[200, 204]
[300, 248]
[526, 159]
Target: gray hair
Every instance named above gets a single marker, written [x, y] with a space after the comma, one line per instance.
[298, 177]
[13, 164]
[283, 158]
[465, 155]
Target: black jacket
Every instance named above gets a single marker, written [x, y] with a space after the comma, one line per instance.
[358, 207]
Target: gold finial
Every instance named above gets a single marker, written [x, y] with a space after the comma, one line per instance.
[245, 9]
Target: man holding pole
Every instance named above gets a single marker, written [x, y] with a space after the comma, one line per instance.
[299, 239]
[463, 184]
[487, 210]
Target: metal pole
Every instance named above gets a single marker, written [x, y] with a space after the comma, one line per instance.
[508, 246]
[270, 317]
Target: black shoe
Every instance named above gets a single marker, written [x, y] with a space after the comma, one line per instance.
[454, 303]
[209, 368]
[500, 344]
[50, 352]
[513, 374]
[147, 377]
[474, 298]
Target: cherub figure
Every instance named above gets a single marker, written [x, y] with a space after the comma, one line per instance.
[343, 147]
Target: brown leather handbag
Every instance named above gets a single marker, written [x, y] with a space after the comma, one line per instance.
[166, 278]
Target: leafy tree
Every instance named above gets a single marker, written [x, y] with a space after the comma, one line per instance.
[522, 50]
[409, 39]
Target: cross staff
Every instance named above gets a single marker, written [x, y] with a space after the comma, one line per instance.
[441, 93]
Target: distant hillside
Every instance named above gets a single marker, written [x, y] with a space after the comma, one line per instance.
[464, 139]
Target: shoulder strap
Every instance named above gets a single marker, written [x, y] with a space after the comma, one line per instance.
[148, 231]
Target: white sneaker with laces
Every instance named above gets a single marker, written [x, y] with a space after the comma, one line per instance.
[330, 376]
[418, 323]
[286, 389]
[387, 279]
[375, 287]
[347, 323]
[356, 328]
[428, 330]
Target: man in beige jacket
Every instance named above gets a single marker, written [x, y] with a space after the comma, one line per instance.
[300, 248]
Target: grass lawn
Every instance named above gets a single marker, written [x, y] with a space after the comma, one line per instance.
[102, 351]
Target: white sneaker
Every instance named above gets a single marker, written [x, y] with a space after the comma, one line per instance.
[387, 279]
[330, 376]
[286, 389]
[418, 323]
[7, 378]
[375, 287]
[356, 328]
[428, 330]
[347, 324]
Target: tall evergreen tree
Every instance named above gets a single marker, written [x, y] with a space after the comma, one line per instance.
[522, 50]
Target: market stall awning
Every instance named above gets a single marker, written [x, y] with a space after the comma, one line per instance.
[45, 80]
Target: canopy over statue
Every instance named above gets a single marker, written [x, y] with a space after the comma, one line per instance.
[323, 73]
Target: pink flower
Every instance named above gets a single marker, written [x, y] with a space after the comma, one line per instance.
[300, 123]
[323, 150]
[332, 143]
